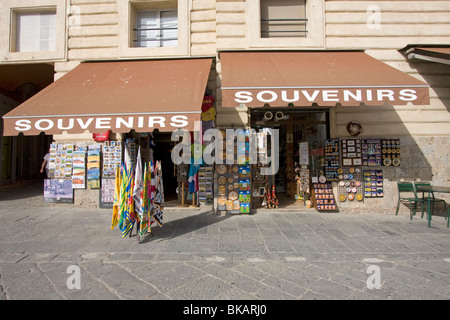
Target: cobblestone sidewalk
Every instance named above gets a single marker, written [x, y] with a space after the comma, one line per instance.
[200, 255]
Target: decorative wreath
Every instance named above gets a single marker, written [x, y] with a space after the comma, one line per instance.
[354, 128]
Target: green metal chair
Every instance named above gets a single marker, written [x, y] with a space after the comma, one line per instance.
[407, 194]
[447, 216]
[433, 200]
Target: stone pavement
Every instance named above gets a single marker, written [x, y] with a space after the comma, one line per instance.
[199, 255]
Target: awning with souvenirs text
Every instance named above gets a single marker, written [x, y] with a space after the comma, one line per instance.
[117, 96]
[322, 78]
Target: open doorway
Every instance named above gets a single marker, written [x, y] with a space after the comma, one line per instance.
[158, 146]
[295, 127]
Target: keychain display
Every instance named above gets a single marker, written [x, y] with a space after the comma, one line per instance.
[331, 154]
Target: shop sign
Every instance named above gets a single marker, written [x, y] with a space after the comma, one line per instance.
[115, 123]
[256, 97]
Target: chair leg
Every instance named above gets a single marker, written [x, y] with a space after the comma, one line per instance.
[422, 210]
[398, 206]
[413, 212]
[448, 217]
[423, 205]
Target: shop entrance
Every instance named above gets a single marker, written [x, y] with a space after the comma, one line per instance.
[158, 146]
[295, 127]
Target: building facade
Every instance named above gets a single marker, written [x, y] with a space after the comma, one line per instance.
[63, 34]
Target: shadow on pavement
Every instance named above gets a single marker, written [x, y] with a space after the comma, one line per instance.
[175, 228]
[22, 190]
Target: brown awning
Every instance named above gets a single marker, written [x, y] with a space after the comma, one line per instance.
[117, 96]
[324, 78]
[427, 52]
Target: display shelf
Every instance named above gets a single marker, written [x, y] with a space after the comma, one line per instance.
[205, 185]
[259, 186]
[373, 184]
[331, 154]
[323, 197]
[390, 152]
[371, 152]
[351, 152]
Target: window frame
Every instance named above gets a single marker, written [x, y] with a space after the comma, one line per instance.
[127, 19]
[14, 41]
[158, 25]
[10, 8]
[316, 28]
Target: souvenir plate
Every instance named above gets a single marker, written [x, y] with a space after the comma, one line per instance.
[233, 195]
[235, 168]
[222, 180]
[222, 201]
[230, 180]
[359, 197]
[342, 197]
[351, 197]
[396, 162]
[221, 169]
[387, 162]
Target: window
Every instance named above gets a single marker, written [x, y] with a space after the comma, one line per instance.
[156, 28]
[286, 24]
[283, 18]
[35, 31]
[153, 28]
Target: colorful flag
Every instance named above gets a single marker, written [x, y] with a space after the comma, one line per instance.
[122, 195]
[144, 217]
[158, 204]
[128, 218]
[137, 190]
[116, 205]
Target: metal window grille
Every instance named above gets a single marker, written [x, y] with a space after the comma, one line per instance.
[277, 28]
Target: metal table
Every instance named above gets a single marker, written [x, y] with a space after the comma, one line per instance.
[430, 190]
